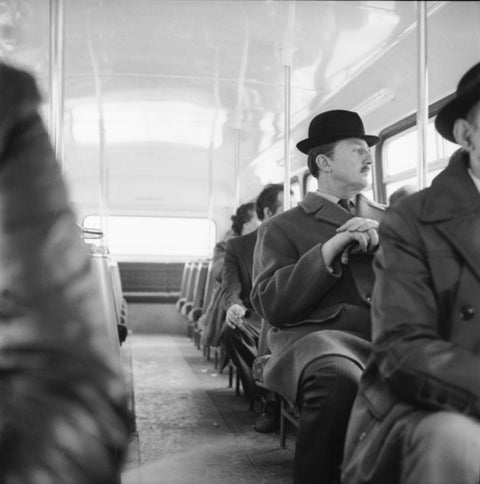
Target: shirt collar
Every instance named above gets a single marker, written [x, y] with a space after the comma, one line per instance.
[332, 198]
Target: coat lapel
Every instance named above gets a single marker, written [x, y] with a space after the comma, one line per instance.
[452, 205]
[327, 211]
[324, 210]
[464, 234]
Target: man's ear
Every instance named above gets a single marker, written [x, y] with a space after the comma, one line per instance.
[323, 163]
[461, 133]
[266, 212]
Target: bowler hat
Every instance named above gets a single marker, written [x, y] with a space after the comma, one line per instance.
[468, 94]
[333, 126]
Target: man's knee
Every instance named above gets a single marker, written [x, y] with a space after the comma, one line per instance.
[443, 447]
[331, 378]
[447, 432]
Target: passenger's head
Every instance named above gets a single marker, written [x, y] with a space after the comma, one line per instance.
[399, 193]
[270, 201]
[339, 150]
[245, 219]
[459, 120]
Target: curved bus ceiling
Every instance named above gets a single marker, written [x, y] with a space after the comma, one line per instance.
[176, 81]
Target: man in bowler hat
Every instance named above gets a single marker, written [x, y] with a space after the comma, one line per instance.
[313, 280]
[416, 418]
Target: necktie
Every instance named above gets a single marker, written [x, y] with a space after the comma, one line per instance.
[345, 203]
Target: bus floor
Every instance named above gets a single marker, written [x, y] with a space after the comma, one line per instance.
[190, 426]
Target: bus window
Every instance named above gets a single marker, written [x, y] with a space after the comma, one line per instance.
[399, 156]
[169, 237]
[310, 183]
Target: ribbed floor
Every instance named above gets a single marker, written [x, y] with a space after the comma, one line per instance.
[192, 428]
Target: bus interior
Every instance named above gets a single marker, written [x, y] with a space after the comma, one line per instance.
[166, 115]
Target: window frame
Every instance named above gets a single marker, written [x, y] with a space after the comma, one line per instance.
[379, 187]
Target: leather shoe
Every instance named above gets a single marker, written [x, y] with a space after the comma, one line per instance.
[269, 420]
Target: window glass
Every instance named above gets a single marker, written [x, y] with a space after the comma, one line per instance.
[400, 151]
[156, 236]
[311, 184]
[400, 157]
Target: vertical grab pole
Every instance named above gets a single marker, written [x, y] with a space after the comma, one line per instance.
[237, 122]
[287, 51]
[236, 168]
[422, 94]
[57, 75]
[287, 167]
[211, 151]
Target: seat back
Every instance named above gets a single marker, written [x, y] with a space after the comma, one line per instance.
[183, 285]
[209, 285]
[101, 270]
[200, 284]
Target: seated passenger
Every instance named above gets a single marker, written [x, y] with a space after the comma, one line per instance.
[416, 417]
[62, 407]
[243, 325]
[313, 279]
[244, 221]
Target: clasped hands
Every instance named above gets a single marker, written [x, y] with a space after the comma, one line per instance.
[356, 235]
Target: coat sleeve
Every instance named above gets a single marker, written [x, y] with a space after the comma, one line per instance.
[286, 285]
[231, 283]
[418, 364]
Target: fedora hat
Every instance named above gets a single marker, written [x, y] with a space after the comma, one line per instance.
[467, 94]
[333, 126]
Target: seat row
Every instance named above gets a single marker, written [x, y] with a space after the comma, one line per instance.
[196, 294]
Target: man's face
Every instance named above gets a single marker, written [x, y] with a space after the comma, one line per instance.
[350, 164]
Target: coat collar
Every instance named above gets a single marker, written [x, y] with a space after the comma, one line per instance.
[323, 209]
[452, 193]
[452, 203]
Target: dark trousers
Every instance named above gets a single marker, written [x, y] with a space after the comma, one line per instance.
[326, 392]
[241, 345]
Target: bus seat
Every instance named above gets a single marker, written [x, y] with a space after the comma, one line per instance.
[186, 275]
[101, 270]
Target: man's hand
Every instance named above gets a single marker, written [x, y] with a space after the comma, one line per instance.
[235, 313]
[355, 234]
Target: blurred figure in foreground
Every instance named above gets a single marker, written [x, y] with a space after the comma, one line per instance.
[63, 412]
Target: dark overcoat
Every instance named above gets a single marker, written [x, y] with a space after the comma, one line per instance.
[314, 312]
[426, 324]
[237, 273]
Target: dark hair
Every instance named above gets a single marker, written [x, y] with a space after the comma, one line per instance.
[399, 193]
[268, 198]
[326, 149]
[243, 215]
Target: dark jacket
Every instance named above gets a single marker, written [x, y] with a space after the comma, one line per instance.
[295, 292]
[426, 323]
[237, 273]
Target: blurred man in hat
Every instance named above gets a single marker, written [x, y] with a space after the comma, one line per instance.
[416, 418]
[312, 282]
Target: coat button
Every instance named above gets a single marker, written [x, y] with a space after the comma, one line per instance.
[467, 312]
[368, 298]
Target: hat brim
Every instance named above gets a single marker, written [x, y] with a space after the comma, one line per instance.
[455, 109]
[307, 144]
